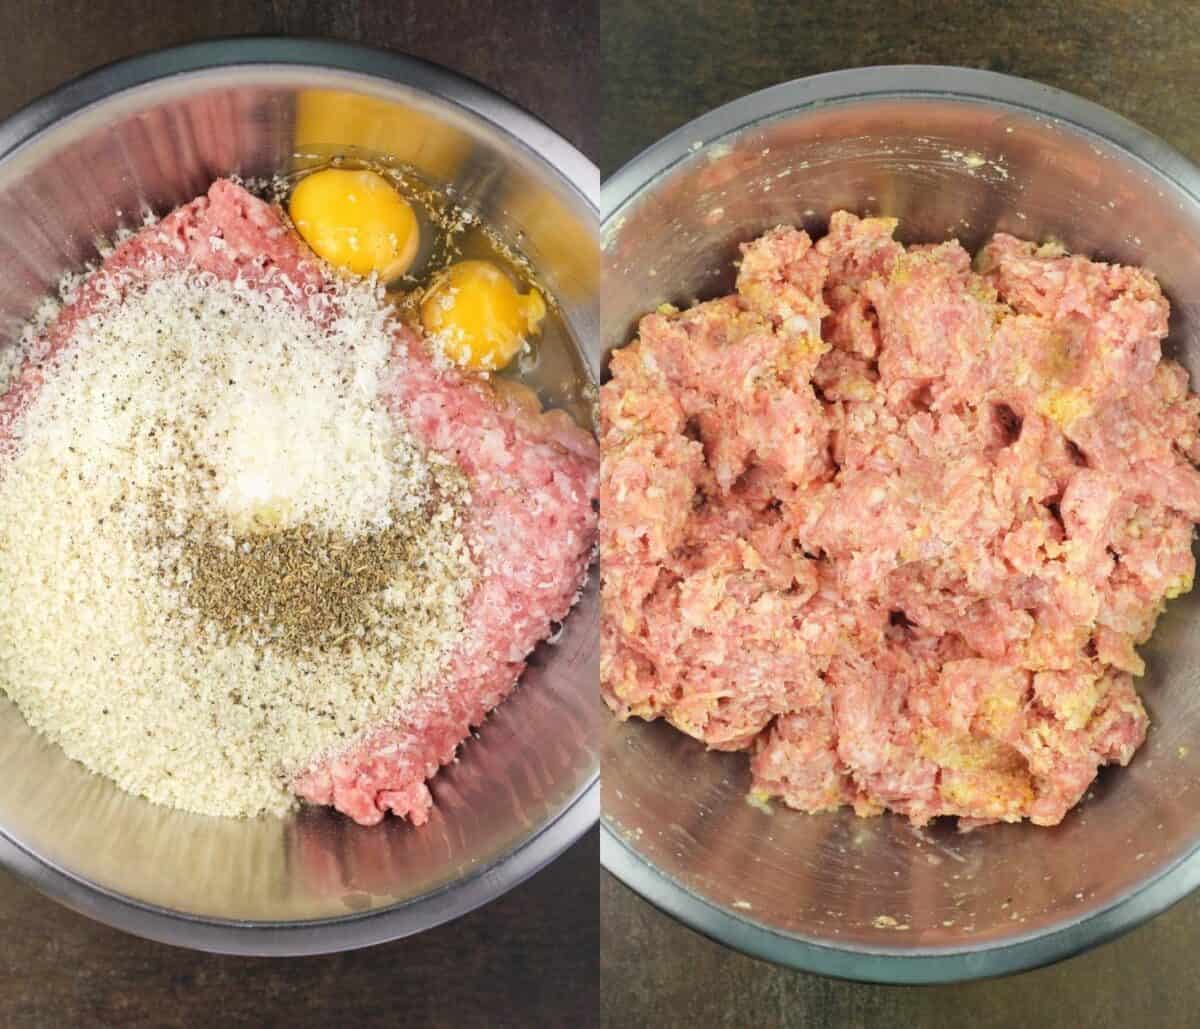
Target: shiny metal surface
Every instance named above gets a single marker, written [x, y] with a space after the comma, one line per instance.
[951, 152]
[149, 134]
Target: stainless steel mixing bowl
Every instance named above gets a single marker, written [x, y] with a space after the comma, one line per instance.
[152, 133]
[951, 152]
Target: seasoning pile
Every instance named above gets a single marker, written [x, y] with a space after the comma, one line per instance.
[222, 558]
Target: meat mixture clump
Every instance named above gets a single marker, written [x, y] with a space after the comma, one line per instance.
[895, 523]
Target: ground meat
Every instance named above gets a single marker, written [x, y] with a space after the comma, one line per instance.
[531, 524]
[895, 522]
[532, 527]
[227, 232]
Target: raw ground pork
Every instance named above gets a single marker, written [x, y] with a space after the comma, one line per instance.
[896, 526]
[531, 523]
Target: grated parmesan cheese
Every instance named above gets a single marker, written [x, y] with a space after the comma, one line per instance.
[197, 402]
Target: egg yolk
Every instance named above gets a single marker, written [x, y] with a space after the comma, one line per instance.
[356, 220]
[474, 312]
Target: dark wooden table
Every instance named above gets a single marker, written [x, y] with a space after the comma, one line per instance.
[663, 63]
[530, 957]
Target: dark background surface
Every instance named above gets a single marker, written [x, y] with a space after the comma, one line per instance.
[526, 959]
[663, 63]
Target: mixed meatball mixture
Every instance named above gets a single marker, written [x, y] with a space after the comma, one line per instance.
[895, 522]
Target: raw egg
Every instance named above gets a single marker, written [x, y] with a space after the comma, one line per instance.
[356, 220]
[474, 312]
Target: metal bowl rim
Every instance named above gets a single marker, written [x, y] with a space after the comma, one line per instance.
[618, 192]
[576, 173]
